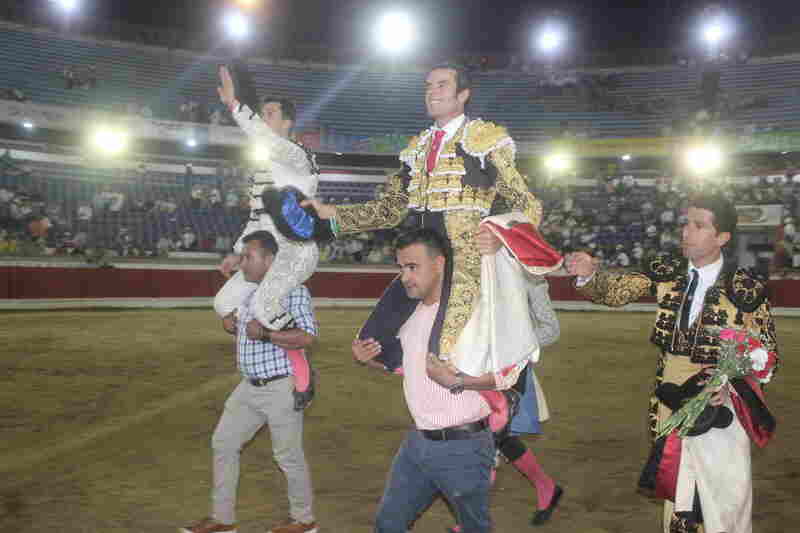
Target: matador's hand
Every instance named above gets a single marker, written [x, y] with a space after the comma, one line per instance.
[488, 243]
[324, 211]
[580, 264]
[226, 91]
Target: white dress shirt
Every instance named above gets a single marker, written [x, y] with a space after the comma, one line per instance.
[708, 276]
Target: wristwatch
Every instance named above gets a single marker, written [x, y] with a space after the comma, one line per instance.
[458, 386]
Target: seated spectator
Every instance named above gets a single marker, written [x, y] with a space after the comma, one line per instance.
[166, 206]
[164, 246]
[85, 213]
[91, 77]
[214, 197]
[117, 202]
[206, 243]
[102, 199]
[38, 227]
[231, 200]
[199, 197]
[69, 77]
[188, 239]
[6, 195]
[223, 243]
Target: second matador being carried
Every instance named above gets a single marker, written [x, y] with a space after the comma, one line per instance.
[454, 174]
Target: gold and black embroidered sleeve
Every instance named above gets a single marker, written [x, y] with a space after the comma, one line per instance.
[387, 211]
[616, 289]
[512, 186]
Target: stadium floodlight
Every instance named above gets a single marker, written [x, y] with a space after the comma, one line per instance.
[109, 141]
[191, 142]
[715, 30]
[395, 32]
[550, 39]
[557, 163]
[27, 124]
[626, 157]
[237, 25]
[704, 159]
[67, 5]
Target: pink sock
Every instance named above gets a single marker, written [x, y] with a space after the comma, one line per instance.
[530, 468]
[302, 372]
[498, 418]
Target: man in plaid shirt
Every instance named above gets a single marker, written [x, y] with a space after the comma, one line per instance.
[264, 396]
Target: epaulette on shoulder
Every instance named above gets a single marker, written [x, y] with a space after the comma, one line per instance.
[664, 267]
[746, 289]
[482, 137]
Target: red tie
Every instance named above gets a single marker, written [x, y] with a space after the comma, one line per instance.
[437, 142]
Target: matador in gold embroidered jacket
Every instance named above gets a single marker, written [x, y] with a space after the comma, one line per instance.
[737, 300]
[475, 168]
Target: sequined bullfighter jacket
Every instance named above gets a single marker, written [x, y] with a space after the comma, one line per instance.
[737, 300]
[475, 169]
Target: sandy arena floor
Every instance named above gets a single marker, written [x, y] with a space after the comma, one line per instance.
[107, 415]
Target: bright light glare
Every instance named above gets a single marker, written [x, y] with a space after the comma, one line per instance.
[704, 159]
[557, 163]
[248, 3]
[626, 157]
[237, 25]
[109, 141]
[28, 125]
[395, 32]
[715, 31]
[550, 39]
[68, 5]
[191, 143]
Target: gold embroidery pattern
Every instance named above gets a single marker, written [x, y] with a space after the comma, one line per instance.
[481, 137]
[386, 212]
[616, 289]
[513, 187]
[465, 285]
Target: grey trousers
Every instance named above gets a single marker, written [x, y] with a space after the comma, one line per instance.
[247, 409]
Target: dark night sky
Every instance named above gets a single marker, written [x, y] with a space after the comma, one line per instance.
[468, 25]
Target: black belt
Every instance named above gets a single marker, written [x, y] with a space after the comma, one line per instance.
[464, 431]
[260, 382]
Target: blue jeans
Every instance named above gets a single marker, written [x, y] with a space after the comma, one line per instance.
[422, 468]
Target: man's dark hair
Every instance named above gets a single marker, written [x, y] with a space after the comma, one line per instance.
[288, 109]
[724, 212]
[434, 243]
[265, 239]
[463, 79]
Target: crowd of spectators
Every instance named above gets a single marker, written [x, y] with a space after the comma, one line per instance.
[618, 221]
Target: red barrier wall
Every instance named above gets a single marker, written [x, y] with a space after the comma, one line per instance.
[26, 282]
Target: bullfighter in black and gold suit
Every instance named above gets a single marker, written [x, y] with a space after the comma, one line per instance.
[704, 477]
[452, 176]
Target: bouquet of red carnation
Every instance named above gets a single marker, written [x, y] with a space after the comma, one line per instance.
[741, 354]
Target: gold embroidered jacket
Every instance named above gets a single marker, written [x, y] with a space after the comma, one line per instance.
[737, 300]
[474, 166]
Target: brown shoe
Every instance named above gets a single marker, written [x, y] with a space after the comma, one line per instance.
[208, 525]
[295, 527]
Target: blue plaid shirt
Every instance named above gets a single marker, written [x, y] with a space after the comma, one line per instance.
[262, 359]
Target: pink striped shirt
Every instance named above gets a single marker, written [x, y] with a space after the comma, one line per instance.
[431, 405]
